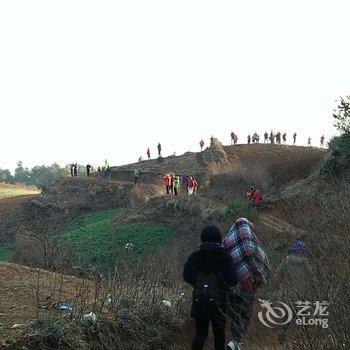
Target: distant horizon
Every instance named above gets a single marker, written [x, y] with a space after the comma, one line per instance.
[144, 157]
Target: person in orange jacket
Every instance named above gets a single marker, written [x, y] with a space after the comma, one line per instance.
[167, 183]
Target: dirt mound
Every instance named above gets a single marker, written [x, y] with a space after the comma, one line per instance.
[283, 163]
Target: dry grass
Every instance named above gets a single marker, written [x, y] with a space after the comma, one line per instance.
[325, 220]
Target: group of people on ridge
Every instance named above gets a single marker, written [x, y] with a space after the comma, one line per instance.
[74, 169]
[172, 184]
[226, 274]
[273, 138]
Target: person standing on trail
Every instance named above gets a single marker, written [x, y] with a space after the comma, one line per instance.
[76, 170]
[233, 135]
[284, 138]
[108, 173]
[176, 184]
[71, 166]
[294, 138]
[171, 185]
[88, 169]
[167, 182]
[210, 271]
[201, 144]
[235, 141]
[278, 138]
[266, 137]
[159, 149]
[249, 139]
[190, 186]
[184, 180]
[322, 141]
[136, 176]
[309, 141]
[272, 137]
[250, 262]
[148, 153]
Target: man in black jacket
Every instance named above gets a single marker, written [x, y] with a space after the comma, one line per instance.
[210, 270]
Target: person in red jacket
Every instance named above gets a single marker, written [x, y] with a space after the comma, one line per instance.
[190, 186]
[257, 198]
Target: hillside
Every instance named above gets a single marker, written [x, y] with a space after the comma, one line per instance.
[226, 171]
[132, 241]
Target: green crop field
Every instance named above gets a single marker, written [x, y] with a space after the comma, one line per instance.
[95, 240]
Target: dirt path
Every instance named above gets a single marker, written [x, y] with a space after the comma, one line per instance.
[9, 203]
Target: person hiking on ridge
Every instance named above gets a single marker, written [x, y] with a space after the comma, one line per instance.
[278, 138]
[88, 169]
[210, 271]
[233, 135]
[309, 141]
[251, 264]
[136, 176]
[322, 141]
[148, 153]
[176, 184]
[235, 140]
[159, 147]
[201, 144]
[75, 170]
[284, 138]
[108, 173]
[249, 139]
[272, 137]
[71, 166]
[266, 137]
[294, 138]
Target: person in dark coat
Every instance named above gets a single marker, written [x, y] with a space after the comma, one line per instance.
[211, 259]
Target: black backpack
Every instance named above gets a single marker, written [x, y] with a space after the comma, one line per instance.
[208, 289]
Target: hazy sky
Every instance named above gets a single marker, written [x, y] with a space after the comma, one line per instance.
[88, 80]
